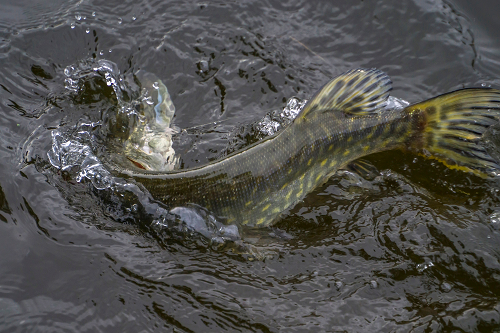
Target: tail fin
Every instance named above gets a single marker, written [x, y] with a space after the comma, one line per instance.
[455, 123]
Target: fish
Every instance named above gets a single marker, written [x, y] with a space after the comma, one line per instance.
[344, 121]
[150, 141]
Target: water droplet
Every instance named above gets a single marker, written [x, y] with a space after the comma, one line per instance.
[339, 285]
[78, 16]
[203, 66]
[134, 208]
[101, 52]
[134, 18]
[373, 284]
[120, 20]
[87, 30]
[155, 85]
[110, 50]
[422, 267]
[69, 70]
[93, 14]
[72, 25]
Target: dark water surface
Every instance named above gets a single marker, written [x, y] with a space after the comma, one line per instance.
[417, 248]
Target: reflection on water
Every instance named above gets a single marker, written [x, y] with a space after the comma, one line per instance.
[412, 247]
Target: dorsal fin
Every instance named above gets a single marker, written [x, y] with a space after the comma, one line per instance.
[356, 92]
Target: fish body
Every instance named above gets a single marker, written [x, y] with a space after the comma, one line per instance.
[344, 121]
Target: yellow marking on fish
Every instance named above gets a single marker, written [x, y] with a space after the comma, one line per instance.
[284, 186]
[350, 139]
[299, 193]
[290, 171]
[365, 148]
[265, 208]
[347, 152]
[386, 142]
[260, 221]
[324, 162]
[288, 195]
[310, 182]
[310, 161]
[333, 163]
[318, 177]
[248, 203]
[330, 148]
[387, 129]
[276, 210]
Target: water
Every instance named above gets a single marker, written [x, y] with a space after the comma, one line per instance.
[415, 247]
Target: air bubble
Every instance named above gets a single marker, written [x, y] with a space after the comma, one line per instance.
[78, 17]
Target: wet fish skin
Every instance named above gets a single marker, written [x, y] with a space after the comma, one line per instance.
[345, 120]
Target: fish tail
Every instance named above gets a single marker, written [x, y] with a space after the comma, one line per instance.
[452, 125]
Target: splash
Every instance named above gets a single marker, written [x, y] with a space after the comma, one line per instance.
[277, 120]
[74, 150]
[71, 152]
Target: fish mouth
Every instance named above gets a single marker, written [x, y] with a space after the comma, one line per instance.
[137, 164]
[151, 149]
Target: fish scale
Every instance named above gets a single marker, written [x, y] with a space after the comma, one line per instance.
[343, 121]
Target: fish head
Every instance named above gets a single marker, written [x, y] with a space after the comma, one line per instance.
[149, 145]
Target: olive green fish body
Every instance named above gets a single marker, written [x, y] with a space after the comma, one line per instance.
[345, 120]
